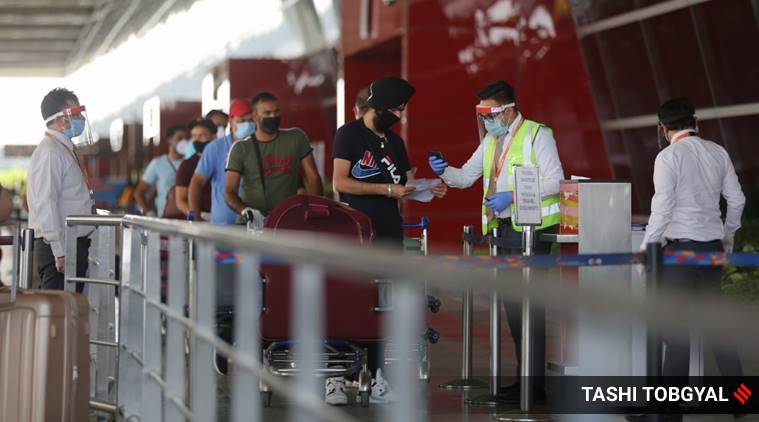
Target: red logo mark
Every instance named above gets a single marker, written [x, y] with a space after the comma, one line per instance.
[742, 394]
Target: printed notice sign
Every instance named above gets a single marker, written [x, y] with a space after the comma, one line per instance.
[527, 196]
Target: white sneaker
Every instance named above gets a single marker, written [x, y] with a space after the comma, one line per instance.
[334, 393]
[381, 391]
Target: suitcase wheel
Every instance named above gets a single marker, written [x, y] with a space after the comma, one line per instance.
[433, 303]
[266, 398]
[364, 398]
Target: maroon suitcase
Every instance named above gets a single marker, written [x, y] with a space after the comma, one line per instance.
[44, 356]
[350, 313]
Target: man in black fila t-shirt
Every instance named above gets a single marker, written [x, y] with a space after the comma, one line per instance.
[371, 166]
[371, 169]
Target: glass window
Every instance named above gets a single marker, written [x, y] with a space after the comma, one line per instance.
[628, 70]
[730, 33]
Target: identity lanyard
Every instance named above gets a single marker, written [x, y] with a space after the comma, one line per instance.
[679, 136]
[83, 169]
[505, 153]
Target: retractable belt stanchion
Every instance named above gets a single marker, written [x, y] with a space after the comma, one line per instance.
[491, 399]
[528, 330]
[466, 382]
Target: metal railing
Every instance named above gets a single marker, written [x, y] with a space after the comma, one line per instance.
[152, 380]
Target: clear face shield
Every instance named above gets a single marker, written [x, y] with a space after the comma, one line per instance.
[489, 120]
[76, 125]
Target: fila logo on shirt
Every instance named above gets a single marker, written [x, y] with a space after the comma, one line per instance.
[367, 167]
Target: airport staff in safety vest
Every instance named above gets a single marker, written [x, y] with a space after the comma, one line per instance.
[508, 139]
[690, 175]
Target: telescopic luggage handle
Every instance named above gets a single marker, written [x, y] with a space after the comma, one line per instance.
[424, 223]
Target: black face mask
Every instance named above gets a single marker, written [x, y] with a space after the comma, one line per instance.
[384, 120]
[199, 146]
[270, 124]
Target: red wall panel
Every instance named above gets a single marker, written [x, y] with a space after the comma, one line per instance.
[305, 88]
[386, 22]
[454, 48]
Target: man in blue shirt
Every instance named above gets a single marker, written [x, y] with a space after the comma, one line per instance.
[161, 174]
[212, 165]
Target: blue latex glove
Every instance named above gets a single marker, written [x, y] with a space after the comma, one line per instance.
[437, 165]
[499, 201]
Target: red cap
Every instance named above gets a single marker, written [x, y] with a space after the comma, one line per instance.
[239, 107]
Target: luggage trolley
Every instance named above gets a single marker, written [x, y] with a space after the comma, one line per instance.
[418, 245]
[366, 304]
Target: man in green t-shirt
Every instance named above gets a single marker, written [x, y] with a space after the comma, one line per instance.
[284, 155]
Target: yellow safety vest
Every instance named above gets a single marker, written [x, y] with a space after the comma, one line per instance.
[520, 153]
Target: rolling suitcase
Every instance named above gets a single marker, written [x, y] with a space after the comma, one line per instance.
[350, 309]
[44, 356]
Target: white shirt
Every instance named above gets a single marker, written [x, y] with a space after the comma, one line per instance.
[689, 176]
[546, 155]
[56, 189]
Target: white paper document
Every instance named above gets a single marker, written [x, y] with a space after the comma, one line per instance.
[422, 192]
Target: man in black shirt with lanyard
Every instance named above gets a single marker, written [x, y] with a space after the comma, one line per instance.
[371, 166]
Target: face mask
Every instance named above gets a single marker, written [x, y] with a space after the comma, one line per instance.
[495, 127]
[245, 129]
[76, 129]
[182, 146]
[199, 146]
[384, 120]
[270, 124]
[190, 151]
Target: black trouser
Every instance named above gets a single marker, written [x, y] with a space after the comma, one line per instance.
[702, 281]
[50, 278]
[514, 309]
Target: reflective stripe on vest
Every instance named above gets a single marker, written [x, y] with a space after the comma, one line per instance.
[521, 152]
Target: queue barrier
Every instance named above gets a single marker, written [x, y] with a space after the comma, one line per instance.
[150, 387]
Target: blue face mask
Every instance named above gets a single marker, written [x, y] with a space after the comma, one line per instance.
[76, 129]
[495, 127]
[245, 129]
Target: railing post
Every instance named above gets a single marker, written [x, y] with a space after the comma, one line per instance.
[130, 325]
[466, 382]
[27, 258]
[175, 333]
[151, 340]
[246, 402]
[404, 335]
[203, 377]
[16, 261]
[70, 258]
[308, 326]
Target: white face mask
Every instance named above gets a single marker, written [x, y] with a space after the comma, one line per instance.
[182, 147]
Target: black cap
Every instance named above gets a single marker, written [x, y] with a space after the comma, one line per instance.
[390, 92]
[676, 109]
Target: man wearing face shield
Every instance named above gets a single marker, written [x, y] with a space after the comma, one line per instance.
[161, 174]
[690, 175]
[269, 165]
[58, 186]
[201, 133]
[212, 165]
[508, 139]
